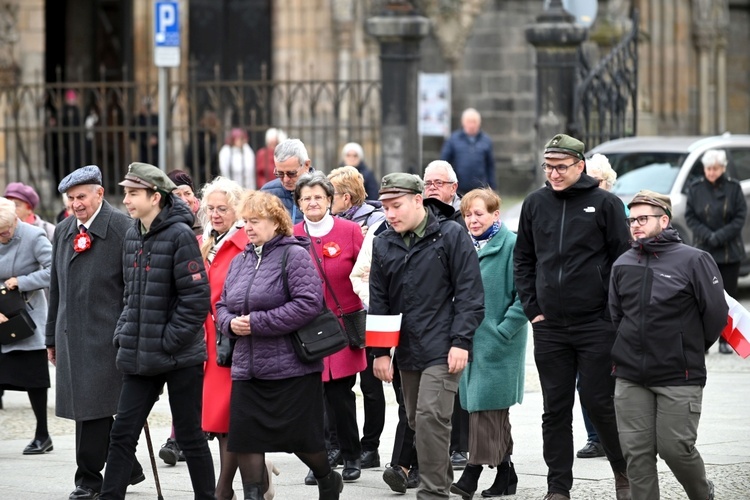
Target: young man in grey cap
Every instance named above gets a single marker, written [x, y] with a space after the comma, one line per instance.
[159, 336]
[87, 269]
[424, 266]
[667, 300]
[569, 234]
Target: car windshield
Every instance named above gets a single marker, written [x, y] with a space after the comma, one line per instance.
[623, 163]
[658, 177]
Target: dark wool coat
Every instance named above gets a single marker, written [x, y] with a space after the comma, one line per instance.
[85, 301]
[717, 210]
[254, 285]
[167, 296]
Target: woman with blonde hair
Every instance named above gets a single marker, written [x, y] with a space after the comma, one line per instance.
[493, 380]
[277, 400]
[349, 198]
[25, 260]
[224, 238]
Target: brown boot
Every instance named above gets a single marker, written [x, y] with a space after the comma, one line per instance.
[622, 486]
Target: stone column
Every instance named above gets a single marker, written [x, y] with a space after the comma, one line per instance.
[399, 31]
[556, 40]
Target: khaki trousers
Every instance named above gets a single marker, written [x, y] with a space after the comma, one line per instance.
[661, 420]
[429, 397]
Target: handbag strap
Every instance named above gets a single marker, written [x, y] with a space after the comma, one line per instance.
[285, 278]
[323, 273]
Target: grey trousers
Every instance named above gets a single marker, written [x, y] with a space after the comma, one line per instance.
[428, 398]
[661, 420]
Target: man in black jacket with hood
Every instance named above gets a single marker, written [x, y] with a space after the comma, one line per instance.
[159, 336]
[569, 234]
[667, 300]
[424, 266]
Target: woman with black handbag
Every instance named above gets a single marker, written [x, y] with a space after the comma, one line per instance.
[25, 259]
[277, 399]
[335, 244]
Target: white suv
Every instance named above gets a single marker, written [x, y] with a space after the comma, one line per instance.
[669, 165]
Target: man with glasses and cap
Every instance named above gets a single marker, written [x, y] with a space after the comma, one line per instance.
[291, 160]
[667, 302]
[570, 233]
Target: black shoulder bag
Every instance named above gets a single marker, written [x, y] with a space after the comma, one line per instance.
[319, 338]
[19, 325]
[355, 322]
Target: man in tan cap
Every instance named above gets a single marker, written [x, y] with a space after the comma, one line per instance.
[569, 234]
[159, 336]
[667, 301]
[424, 266]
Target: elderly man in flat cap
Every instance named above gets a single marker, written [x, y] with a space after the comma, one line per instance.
[86, 289]
[667, 300]
[570, 233]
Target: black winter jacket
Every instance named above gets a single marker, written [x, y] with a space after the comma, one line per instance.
[667, 303]
[436, 284]
[167, 296]
[567, 242]
[717, 210]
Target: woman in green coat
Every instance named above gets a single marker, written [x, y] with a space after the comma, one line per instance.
[493, 381]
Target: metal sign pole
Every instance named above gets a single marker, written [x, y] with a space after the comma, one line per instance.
[163, 116]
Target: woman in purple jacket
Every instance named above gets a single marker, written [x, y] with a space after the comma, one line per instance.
[277, 401]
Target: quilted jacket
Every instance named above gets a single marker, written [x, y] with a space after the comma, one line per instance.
[254, 285]
[166, 296]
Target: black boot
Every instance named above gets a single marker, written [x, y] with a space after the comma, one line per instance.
[253, 491]
[467, 485]
[331, 486]
[505, 483]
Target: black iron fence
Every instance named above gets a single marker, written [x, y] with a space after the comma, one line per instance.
[605, 102]
[49, 129]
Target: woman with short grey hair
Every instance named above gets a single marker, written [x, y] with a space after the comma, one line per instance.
[716, 212]
[334, 246]
[25, 260]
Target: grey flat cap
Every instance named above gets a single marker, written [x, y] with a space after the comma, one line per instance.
[90, 174]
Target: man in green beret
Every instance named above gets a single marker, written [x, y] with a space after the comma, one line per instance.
[570, 232]
[424, 267]
[159, 336]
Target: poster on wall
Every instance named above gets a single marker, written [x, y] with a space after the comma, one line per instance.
[434, 107]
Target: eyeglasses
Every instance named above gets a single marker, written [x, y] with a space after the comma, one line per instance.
[290, 175]
[561, 169]
[318, 198]
[641, 219]
[437, 183]
[222, 210]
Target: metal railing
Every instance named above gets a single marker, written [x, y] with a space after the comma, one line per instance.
[605, 104]
[49, 129]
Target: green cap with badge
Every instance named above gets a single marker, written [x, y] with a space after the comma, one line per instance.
[145, 176]
[562, 145]
[648, 197]
[399, 184]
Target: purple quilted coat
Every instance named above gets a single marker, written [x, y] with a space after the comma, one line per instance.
[254, 285]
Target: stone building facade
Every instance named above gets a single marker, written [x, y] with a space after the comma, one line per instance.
[693, 72]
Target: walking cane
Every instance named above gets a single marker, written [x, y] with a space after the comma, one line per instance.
[153, 460]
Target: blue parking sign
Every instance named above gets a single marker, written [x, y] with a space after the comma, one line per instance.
[166, 24]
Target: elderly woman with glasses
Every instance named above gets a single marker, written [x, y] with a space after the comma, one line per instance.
[25, 260]
[335, 244]
[715, 213]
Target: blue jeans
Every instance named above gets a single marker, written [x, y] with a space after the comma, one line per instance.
[139, 393]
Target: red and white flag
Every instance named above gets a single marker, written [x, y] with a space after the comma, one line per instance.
[382, 330]
[737, 331]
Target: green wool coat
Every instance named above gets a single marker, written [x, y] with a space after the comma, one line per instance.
[494, 379]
